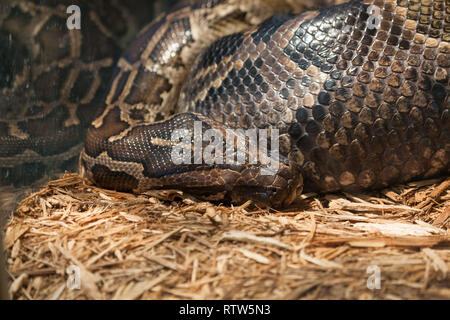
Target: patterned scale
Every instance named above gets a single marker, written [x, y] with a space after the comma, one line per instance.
[358, 107]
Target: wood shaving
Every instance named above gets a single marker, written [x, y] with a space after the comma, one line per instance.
[169, 245]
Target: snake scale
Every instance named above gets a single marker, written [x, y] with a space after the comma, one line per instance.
[357, 92]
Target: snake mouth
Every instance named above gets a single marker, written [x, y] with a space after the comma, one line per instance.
[259, 196]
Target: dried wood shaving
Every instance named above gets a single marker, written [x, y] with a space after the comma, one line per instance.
[168, 245]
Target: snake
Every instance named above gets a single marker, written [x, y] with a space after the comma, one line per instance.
[345, 96]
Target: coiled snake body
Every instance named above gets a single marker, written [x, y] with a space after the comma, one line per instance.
[358, 92]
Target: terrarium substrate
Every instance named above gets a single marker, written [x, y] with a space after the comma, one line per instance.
[168, 245]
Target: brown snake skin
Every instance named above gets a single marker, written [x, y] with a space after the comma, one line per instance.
[53, 80]
[356, 107]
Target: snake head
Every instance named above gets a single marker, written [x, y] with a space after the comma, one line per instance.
[194, 154]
